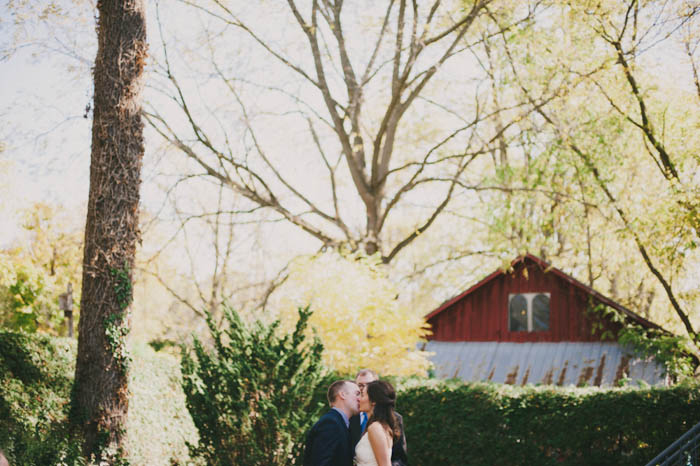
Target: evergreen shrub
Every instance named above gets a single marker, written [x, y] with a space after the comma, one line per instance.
[36, 377]
[254, 394]
[453, 423]
[256, 409]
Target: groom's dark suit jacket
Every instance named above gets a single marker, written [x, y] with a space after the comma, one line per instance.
[398, 451]
[328, 442]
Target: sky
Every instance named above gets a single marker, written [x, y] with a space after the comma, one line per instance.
[45, 136]
[45, 130]
[43, 96]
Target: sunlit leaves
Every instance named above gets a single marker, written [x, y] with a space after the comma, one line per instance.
[589, 186]
[36, 271]
[356, 313]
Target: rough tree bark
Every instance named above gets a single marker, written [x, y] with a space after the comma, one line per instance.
[100, 398]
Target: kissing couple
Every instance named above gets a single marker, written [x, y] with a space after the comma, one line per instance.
[361, 426]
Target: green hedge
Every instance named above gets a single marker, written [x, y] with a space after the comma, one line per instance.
[449, 423]
[35, 382]
[36, 377]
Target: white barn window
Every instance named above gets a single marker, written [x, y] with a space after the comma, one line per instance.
[528, 312]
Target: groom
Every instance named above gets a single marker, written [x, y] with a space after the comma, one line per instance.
[328, 442]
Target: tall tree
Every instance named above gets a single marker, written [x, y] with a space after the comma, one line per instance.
[100, 400]
[355, 82]
[633, 124]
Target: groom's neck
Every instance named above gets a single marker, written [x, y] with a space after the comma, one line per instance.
[342, 409]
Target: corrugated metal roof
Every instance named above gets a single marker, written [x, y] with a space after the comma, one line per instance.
[563, 363]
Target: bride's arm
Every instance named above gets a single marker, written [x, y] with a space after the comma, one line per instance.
[379, 441]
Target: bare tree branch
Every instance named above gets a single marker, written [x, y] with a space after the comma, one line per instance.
[421, 42]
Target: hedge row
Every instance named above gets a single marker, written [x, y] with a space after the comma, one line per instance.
[446, 422]
[36, 377]
[450, 423]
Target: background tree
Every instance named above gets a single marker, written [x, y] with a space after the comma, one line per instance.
[357, 313]
[618, 123]
[34, 271]
[525, 84]
[374, 160]
[100, 400]
[203, 255]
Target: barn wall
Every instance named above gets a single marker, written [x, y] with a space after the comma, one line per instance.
[482, 315]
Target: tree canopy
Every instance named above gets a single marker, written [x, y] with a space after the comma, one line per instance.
[447, 137]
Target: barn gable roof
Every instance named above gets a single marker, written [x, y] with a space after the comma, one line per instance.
[549, 269]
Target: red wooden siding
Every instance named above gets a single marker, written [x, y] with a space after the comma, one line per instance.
[482, 313]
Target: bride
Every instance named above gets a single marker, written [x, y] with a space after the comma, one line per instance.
[374, 447]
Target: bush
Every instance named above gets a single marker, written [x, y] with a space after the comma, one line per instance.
[36, 376]
[159, 425]
[255, 394]
[357, 315]
[256, 409]
[451, 423]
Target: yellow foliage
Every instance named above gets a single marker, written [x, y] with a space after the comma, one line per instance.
[38, 268]
[356, 315]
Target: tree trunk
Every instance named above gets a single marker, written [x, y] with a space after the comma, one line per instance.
[100, 394]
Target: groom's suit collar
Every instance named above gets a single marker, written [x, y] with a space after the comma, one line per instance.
[342, 414]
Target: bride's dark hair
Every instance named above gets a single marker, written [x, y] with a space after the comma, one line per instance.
[383, 395]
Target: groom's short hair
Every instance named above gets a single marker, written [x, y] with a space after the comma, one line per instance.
[333, 390]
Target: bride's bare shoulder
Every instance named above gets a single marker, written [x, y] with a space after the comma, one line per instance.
[374, 427]
[378, 429]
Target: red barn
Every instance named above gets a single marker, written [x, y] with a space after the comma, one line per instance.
[534, 325]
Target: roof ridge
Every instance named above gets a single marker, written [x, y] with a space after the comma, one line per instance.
[547, 267]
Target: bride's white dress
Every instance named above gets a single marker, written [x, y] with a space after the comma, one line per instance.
[364, 456]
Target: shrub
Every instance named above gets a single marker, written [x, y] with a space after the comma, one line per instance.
[252, 396]
[452, 423]
[36, 376]
[357, 315]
